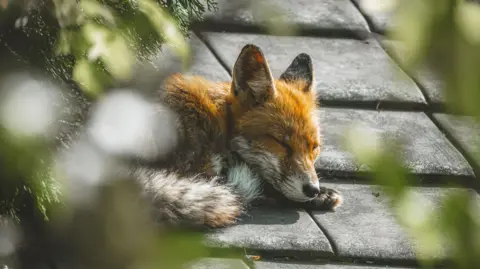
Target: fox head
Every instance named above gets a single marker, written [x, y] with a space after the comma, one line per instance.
[275, 130]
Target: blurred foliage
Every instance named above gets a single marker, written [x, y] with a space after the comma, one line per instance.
[93, 44]
[84, 39]
[442, 36]
[115, 231]
[18, 182]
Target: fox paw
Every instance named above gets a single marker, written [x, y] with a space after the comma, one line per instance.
[327, 199]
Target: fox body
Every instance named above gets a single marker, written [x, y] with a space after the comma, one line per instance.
[236, 138]
[237, 142]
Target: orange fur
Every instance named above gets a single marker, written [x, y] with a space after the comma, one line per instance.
[290, 112]
[268, 124]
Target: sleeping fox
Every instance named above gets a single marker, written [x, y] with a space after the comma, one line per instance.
[236, 139]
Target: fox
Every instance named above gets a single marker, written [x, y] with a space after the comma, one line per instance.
[250, 141]
[240, 142]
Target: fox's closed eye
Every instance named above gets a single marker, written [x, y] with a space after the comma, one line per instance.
[282, 143]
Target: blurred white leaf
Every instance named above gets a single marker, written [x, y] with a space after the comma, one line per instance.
[123, 123]
[378, 6]
[21, 22]
[9, 237]
[467, 18]
[364, 143]
[29, 106]
[413, 209]
[98, 38]
[82, 168]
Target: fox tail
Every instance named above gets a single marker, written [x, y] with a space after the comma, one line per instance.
[197, 201]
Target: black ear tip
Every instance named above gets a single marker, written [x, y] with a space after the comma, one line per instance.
[303, 58]
[300, 68]
[251, 47]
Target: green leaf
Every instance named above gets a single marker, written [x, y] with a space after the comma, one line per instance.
[97, 37]
[111, 48]
[461, 225]
[118, 58]
[95, 9]
[141, 35]
[63, 43]
[85, 73]
[273, 18]
[166, 28]
[467, 17]
[25, 163]
[416, 21]
[368, 148]
[67, 12]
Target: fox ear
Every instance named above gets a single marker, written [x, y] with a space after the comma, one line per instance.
[301, 68]
[252, 80]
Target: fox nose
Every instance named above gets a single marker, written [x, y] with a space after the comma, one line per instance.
[310, 190]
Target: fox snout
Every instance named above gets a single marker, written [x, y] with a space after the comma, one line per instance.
[309, 184]
[308, 179]
[310, 190]
[299, 186]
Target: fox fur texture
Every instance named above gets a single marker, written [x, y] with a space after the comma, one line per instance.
[238, 141]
